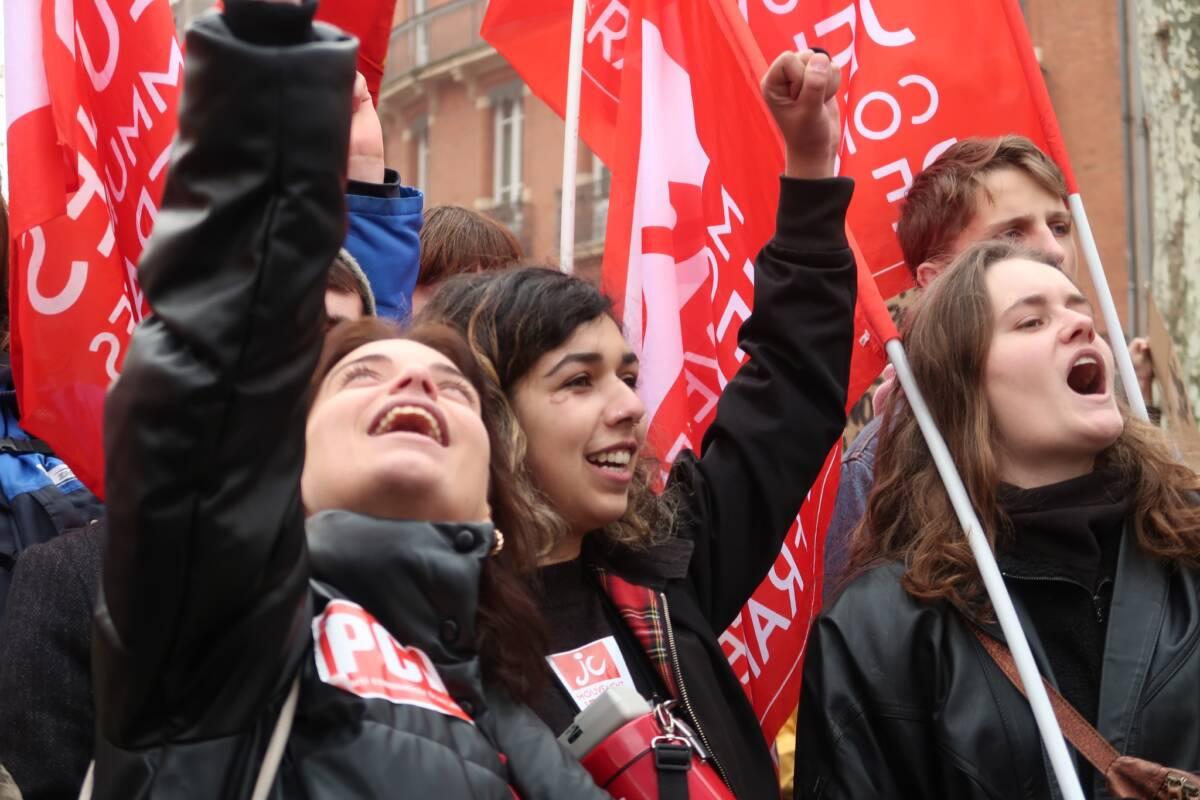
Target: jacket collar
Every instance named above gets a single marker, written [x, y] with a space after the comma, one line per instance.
[419, 579]
[652, 567]
[1135, 623]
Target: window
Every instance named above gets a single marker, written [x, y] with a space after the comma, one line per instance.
[416, 151]
[422, 147]
[601, 180]
[506, 175]
[420, 33]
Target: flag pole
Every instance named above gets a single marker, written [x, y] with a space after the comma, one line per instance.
[1108, 309]
[566, 240]
[1058, 151]
[1031, 679]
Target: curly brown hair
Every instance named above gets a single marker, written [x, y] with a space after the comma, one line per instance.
[504, 316]
[909, 517]
[511, 638]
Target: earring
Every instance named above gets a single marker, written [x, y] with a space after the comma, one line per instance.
[499, 543]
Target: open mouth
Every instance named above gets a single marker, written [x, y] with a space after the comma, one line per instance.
[1086, 375]
[614, 459]
[411, 418]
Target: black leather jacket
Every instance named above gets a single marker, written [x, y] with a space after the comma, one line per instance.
[900, 700]
[206, 611]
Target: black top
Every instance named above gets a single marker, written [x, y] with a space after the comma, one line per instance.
[737, 496]
[578, 613]
[1060, 560]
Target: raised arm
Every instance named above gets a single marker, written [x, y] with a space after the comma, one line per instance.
[384, 216]
[204, 577]
[778, 417]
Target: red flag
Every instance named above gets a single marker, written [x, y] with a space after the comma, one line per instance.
[533, 36]
[91, 99]
[917, 76]
[693, 200]
[371, 22]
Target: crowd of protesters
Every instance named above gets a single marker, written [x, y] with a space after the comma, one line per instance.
[355, 429]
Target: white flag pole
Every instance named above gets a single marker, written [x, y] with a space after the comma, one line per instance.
[566, 241]
[1043, 713]
[1108, 309]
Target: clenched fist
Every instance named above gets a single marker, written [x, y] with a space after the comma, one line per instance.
[800, 89]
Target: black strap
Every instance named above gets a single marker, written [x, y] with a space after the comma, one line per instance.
[672, 760]
[23, 446]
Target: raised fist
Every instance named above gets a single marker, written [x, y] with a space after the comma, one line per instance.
[366, 137]
[800, 89]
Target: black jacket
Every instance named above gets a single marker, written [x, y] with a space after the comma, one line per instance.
[46, 720]
[205, 612]
[899, 699]
[775, 423]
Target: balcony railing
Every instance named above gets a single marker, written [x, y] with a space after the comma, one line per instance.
[515, 217]
[439, 33]
[591, 215]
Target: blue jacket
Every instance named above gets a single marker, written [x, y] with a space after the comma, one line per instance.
[384, 222]
[854, 487]
[39, 495]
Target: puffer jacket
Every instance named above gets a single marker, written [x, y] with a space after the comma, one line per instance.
[212, 596]
[900, 700]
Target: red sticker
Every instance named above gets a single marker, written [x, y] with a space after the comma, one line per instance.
[589, 671]
[356, 653]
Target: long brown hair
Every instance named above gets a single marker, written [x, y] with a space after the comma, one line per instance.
[505, 317]
[909, 517]
[510, 638]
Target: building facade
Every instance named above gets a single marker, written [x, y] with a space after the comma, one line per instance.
[462, 126]
[459, 124]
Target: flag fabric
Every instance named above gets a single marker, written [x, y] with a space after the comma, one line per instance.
[913, 74]
[916, 78]
[91, 91]
[693, 200]
[371, 22]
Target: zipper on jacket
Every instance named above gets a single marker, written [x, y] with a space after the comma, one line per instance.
[1097, 605]
[683, 693]
[1098, 600]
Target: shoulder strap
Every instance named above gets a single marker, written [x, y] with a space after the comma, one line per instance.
[270, 765]
[25, 446]
[1079, 732]
[275, 747]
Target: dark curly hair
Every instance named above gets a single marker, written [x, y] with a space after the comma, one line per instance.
[504, 316]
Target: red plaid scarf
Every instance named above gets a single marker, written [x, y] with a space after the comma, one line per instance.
[642, 610]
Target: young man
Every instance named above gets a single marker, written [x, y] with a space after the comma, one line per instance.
[999, 188]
